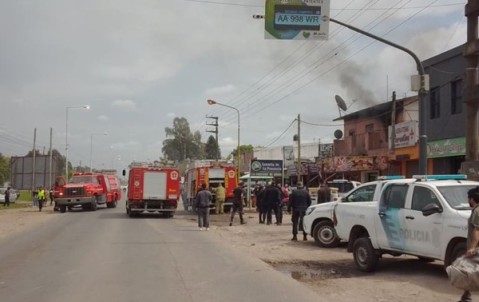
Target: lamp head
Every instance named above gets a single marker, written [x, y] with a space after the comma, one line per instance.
[87, 107]
[211, 102]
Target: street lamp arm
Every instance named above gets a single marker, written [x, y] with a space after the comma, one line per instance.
[213, 102]
[421, 95]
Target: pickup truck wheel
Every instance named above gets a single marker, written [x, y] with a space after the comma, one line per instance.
[458, 250]
[364, 254]
[324, 234]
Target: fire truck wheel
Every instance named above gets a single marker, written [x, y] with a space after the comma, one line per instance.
[63, 209]
[93, 205]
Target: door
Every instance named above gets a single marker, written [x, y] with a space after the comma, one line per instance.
[422, 233]
[390, 220]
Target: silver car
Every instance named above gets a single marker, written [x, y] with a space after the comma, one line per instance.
[13, 195]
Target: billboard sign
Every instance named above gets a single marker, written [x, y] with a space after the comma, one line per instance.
[296, 19]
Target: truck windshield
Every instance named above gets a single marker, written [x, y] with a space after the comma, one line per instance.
[83, 179]
[456, 196]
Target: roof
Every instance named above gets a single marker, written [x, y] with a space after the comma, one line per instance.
[367, 112]
[375, 111]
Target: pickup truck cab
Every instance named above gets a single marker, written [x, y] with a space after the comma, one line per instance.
[318, 220]
[424, 216]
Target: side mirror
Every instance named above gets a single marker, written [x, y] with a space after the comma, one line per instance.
[430, 209]
[123, 172]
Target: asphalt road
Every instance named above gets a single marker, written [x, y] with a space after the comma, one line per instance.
[107, 256]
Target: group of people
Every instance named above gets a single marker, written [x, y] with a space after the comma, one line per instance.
[269, 199]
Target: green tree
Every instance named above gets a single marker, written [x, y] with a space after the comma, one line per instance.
[212, 149]
[243, 149]
[4, 169]
[180, 143]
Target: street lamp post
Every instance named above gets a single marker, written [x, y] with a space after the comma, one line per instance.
[87, 107]
[91, 147]
[212, 102]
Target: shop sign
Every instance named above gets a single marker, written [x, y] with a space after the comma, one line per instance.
[406, 134]
[446, 147]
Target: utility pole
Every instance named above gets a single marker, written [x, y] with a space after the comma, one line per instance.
[299, 148]
[471, 91]
[214, 124]
[34, 164]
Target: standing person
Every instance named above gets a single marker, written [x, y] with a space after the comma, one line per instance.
[239, 195]
[35, 198]
[258, 193]
[41, 198]
[51, 196]
[202, 205]
[220, 199]
[299, 201]
[271, 198]
[324, 192]
[7, 197]
[472, 232]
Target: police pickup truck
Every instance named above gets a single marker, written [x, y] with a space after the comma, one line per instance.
[424, 216]
[318, 221]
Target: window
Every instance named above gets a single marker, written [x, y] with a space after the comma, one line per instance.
[435, 105]
[456, 97]
[369, 128]
[395, 196]
[365, 193]
[422, 197]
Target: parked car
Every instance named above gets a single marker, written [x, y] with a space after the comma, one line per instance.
[343, 185]
[13, 195]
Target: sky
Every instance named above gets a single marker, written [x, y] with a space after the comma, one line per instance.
[139, 64]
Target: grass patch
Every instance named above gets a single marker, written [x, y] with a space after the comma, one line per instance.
[17, 205]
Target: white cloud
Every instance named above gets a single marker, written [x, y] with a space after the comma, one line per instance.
[18, 101]
[103, 118]
[127, 105]
[171, 115]
[219, 91]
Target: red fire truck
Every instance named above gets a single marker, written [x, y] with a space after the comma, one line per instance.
[87, 190]
[152, 189]
[212, 173]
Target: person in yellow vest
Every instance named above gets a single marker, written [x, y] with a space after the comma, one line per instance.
[220, 199]
[41, 198]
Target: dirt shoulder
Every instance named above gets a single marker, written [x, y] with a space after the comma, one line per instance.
[14, 221]
[331, 272]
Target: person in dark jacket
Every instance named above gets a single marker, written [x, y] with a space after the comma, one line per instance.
[202, 205]
[258, 192]
[271, 198]
[324, 192]
[7, 197]
[299, 201]
[238, 194]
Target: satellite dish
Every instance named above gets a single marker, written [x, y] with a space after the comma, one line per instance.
[338, 134]
[341, 103]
